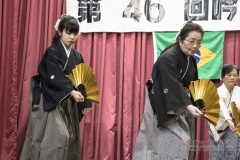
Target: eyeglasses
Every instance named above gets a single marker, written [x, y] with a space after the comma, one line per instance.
[192, 42]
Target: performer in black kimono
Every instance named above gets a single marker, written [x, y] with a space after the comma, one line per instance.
[53, 129]
[165, 130]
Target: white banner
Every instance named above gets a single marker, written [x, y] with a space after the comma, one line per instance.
[154, 15]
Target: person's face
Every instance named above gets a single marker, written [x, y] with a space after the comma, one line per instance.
[230, 79]
[68, 38]
[191, 43]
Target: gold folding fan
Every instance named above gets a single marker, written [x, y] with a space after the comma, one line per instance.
[82, 76]
[235, 115]
[205, 96]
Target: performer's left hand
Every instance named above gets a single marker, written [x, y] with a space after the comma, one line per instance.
[86, 110]
[194, 111]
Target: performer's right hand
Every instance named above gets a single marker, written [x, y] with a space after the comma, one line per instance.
[194, 111]
[231, 125]
[77, 96]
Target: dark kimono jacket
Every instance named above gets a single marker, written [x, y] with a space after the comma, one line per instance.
[55, 86]
[53, 127]
[171, 73]
[53, 69]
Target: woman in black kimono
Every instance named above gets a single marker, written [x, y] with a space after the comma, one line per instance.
[53, 129]
[165, 131]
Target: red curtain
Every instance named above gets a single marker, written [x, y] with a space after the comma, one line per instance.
[122, 63]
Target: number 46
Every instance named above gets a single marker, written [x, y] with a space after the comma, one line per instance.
[149, 9]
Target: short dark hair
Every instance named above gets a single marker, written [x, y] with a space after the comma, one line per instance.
[227, 68]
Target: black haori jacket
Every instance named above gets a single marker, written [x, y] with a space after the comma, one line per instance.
[171, 74]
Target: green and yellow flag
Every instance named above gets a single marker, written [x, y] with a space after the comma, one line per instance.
[209, 57]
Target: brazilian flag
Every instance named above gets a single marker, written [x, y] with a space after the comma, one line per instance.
[209, 57]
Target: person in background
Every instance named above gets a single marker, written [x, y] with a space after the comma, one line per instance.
[165, 131]
[224, 141]
[53, 128]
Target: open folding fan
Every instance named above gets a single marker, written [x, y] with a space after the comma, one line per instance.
[83, 79]
[235, 115]
[205, 96]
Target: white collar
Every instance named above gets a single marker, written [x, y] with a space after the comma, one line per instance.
[67, 51]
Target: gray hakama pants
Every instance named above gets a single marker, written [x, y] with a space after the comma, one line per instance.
[53, 135]
[227, 148]
[168, 142]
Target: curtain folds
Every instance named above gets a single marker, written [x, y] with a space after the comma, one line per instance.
[122, 66]
[122, 63]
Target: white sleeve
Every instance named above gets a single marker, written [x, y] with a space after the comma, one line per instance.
[224, 110]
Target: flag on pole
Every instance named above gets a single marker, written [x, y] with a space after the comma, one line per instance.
[209, 57]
